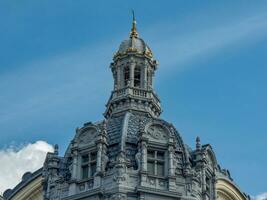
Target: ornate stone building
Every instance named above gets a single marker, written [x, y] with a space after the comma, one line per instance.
[133, 154]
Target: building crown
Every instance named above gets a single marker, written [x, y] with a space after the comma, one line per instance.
[133, 69]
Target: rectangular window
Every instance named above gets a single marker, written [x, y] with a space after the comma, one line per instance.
[92, 169]
[93, 156]
[160, 169]
[85, 172]
[126, 75]
[150, 168]
[151, 154]
[160, 155]
[137, 76]
[85, 159]
[156, 162]
[88, 165]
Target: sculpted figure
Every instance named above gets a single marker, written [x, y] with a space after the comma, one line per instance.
[138, 159]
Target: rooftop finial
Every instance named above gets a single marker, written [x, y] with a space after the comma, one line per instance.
[198, 144]
[133, 31]
[56, 149]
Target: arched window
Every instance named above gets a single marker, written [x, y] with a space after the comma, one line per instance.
[137, 77]
[126, 75]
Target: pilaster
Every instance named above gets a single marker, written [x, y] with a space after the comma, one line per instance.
[171, 171]
[74, 174]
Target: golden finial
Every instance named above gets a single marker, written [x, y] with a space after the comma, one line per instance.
[134, 31]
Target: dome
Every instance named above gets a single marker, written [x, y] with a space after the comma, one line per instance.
[134, 44]
[26, 176]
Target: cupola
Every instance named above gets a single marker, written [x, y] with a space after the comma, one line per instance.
[133, 69]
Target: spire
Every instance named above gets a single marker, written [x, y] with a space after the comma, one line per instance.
[198, 144]
[133, 32]
[56, 149]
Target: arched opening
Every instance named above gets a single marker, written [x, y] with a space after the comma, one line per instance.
[137, 77]
[126, 75]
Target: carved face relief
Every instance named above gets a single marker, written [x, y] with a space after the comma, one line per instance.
[88, 136]
[157, 132]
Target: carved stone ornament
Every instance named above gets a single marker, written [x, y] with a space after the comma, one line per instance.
[105, 160]
[118, 197]
[157, 132]
[87, 136]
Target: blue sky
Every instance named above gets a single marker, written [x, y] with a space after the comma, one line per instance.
[55, 76]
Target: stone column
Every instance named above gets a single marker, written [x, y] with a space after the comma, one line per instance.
[149, 79]
[97, 177]
[171, 171]
[143, 171]
[132, 66]
[119, 77]
[99, 156]
[74, 174]
[75, 165]
[144, 77]
[203, 179]
[171, 160]
[152, 78]
[144, 156]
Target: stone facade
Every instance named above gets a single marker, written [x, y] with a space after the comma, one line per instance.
[132, 154]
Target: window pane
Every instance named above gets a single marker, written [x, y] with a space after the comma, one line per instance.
[85, 158]
[126, 75]
[84, 171]
[93, 169]
[160, 155]
[150, 168]
[93, 156]
[160, 169]
[137, 77]
[150, 154]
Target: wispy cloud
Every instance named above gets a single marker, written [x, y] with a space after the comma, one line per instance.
[54, 81]
[176, 49]
[15, 161]
[262, 196]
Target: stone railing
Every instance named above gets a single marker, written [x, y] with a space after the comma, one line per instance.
[139, 92]
[134, 92]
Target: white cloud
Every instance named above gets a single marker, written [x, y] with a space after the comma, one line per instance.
[262, 196]
[15, 162]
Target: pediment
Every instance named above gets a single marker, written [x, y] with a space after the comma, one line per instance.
[87, 136]
[157, 133]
